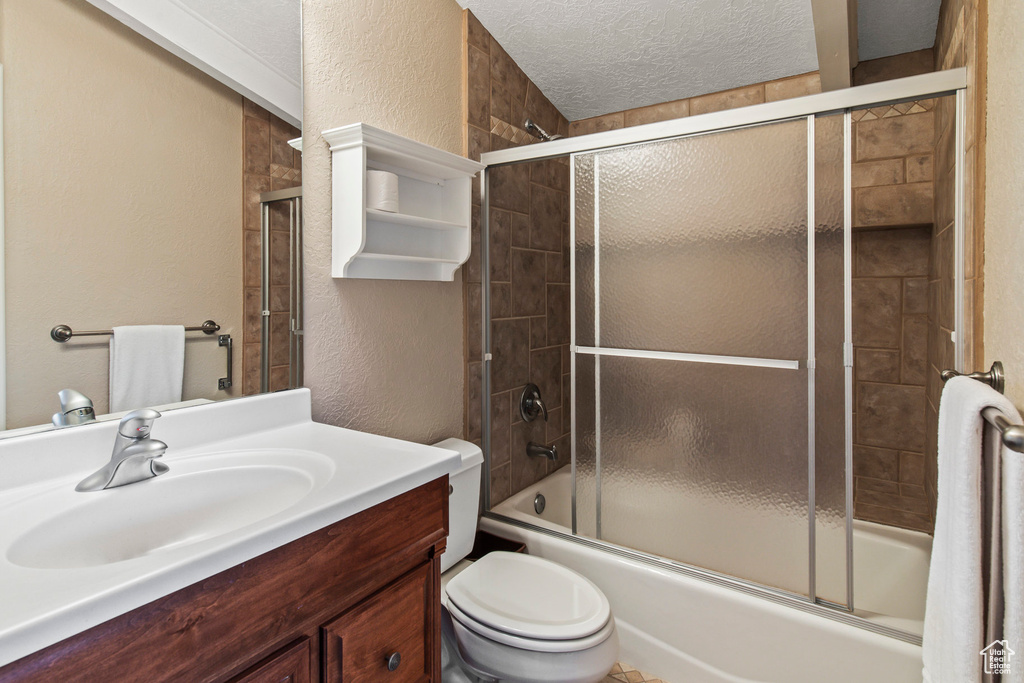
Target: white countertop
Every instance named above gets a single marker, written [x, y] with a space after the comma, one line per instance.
[38, 474]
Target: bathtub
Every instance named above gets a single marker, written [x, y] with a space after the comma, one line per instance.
[693, 629]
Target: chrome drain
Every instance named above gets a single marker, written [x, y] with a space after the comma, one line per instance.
[539, 503]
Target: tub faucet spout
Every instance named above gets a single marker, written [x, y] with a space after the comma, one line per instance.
[536, 450]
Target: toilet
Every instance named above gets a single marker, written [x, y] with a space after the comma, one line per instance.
[516, 617]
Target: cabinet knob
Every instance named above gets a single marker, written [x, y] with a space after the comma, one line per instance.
[393, 661]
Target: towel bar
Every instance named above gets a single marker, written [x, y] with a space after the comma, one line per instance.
[994, 377]
[1012, 435]
[61, 333]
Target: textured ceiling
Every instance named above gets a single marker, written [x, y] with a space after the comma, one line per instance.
[891, 27]
[269, 29]
[598, 56]
[601, 56]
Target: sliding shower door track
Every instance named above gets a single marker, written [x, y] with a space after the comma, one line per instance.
[820, 608]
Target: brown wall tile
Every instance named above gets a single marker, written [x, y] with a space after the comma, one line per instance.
[911, 204]
[877, 307]
[797, 86]
[877, 365]
[892, 253]
[884, 172]
[897, 66]
[898, 136]
[890, 416]
[878, 463]
[666, 111]
[729, 99]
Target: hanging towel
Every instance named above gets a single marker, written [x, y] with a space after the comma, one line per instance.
[147, 364]
[954, 621]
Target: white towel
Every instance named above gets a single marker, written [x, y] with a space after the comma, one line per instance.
[954, 627]
[147, 364]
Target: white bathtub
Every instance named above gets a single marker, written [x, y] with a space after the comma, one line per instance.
[690, 630]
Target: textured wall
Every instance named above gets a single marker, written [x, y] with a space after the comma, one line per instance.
[124, 196]
[1004, 203]
[381, 356]
[601, 56]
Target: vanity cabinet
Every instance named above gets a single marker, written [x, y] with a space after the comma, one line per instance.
[291, 665]
[335, 605]
[385, 637]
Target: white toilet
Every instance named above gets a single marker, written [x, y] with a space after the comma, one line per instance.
[515, 617]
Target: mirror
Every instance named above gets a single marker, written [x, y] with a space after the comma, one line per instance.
[131, 191]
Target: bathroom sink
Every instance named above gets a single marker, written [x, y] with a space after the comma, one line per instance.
[247, 477]
[201, 498]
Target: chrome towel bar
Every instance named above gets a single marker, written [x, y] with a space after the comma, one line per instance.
[62, 333]
[1012, 435]
[994, 377]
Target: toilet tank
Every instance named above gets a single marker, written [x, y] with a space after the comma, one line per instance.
[463, 501]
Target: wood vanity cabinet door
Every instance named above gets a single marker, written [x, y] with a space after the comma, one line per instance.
[290, 665]
[396, 620]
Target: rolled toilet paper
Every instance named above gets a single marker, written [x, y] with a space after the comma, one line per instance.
[382, 191]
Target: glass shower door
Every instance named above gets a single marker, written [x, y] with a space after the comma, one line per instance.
[694, 378]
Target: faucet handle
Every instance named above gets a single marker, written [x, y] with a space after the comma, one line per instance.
[531, 405]
[136, 424]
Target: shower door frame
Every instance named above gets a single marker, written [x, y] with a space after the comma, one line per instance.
[838, 102]
[293, 196]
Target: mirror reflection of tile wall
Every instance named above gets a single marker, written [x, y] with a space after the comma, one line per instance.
[270, 163]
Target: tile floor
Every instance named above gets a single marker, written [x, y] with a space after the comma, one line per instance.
[624, 673]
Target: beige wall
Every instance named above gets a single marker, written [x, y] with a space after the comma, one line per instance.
[124, 191]
[1004, 202]
[381, 356]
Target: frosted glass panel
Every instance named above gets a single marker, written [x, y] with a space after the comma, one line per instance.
[583, 228]
[703, 242]
[707, 464]
[585, 447]
[829, 374]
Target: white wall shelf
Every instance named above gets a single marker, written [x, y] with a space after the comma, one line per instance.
[428, 238]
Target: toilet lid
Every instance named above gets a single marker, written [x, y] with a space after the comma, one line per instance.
[530, 597]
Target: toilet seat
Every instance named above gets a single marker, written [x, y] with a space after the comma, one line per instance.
[531, 644]
[529, 602]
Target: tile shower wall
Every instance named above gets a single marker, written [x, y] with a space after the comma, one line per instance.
[771, 91]
[960, 40]
[890, 337]
[893, 189]
[529, 233]
[269, 163]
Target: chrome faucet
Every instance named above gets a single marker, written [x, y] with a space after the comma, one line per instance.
[75, 409]
[134, 456]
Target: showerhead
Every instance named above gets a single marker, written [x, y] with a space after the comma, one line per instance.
[533, 129]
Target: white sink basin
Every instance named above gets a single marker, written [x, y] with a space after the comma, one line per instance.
[200, 498]
[246, 476]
